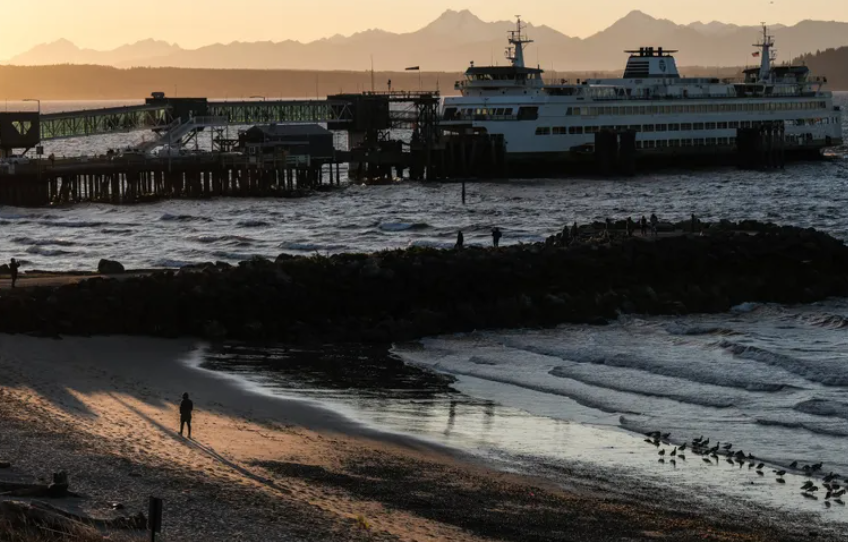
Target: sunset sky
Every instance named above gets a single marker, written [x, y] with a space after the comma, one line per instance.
[104, 24]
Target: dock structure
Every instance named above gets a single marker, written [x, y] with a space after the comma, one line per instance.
[389, 134]
[124, 181]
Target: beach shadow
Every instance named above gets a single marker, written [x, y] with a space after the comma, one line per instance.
[175, 435]
[157, 372]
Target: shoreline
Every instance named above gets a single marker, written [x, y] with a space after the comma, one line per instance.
[269, 465]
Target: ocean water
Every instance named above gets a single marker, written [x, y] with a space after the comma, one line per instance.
[772, 380]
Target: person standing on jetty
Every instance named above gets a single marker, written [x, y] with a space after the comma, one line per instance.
[654, 222]
[460, 240]
[496, 236]
[694, 223]
[186, 408]
[643, 225]
[13, 271]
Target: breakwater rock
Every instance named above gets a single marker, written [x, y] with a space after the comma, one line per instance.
[407, 294]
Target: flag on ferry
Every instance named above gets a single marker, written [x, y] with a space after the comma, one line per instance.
[755, 54]
[413, 69]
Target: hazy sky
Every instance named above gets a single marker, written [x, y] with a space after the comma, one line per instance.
[102, 24]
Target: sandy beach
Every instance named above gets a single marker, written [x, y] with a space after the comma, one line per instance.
[265, 468]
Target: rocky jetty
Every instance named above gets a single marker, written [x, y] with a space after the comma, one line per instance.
[408, 294]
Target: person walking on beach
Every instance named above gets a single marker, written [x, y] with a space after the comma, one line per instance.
[460, 240]
[496, 236]
[186, 407]
[654, 222]
[13, 271]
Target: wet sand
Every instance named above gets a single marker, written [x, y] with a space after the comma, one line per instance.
[262, 467]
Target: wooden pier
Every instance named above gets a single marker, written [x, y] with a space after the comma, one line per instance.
[136, 180]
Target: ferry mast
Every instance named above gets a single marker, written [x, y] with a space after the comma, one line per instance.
[765, 45]
[517, 40]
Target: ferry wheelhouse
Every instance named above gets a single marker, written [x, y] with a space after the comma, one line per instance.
[670, 115]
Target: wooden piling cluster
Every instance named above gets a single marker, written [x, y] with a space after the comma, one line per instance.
[761, 147]
[127, 182]
[461, 156]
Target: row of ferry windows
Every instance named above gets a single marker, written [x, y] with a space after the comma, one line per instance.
[693, 108]
[684, 127]
[709, 141]
[593, 111]
[696, 142]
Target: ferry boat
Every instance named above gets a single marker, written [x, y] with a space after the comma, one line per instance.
[666, 114]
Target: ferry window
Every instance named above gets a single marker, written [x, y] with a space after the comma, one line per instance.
[710, 126]
[680, 109]
[628, 110]
[673, 142]
[698, 126]
[607, 128]
[528, 113]
[721, 126]
[450, 113]
[698, 142]
[662, 127]
[673, 127]
[685, 126]
[543, 130]
[621, 128]
[733, 125]
[746, 124]
[638, 144]
[662, 143]
[575, 130]
[592, 129]
[648, 128]
[643, 109]
[568, 112]
[635, 128]
[711, 141]
[560, 130]
[649, 144]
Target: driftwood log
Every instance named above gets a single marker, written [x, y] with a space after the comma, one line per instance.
[41, 515]
[40, 491]
[58, 489]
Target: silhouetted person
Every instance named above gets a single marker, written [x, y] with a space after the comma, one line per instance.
[13, 271]
[630, 227]
[186, 406]
[654, 222]
[694, 223]
[574, 231]
[460, 240]
[496, 236]
[643, 225]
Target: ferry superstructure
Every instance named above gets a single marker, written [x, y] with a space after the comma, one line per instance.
[669, 114]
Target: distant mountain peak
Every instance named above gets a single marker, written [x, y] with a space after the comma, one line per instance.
[455, 21]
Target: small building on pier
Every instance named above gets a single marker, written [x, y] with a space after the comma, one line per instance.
[310, 140]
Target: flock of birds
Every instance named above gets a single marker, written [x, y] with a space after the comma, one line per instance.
[833, 491]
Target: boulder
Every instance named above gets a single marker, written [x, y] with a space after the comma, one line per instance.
[110, 267]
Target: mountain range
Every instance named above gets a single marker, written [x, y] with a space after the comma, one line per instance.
[457, 37]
